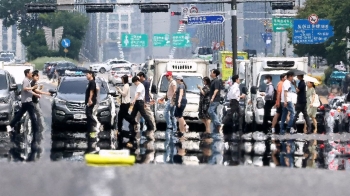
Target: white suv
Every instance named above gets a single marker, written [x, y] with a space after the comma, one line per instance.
[106, 66]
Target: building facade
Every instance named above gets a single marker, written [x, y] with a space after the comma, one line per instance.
[11, 41]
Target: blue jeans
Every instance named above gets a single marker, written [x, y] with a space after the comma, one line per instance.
[285, 110]
[212, 111]
[170, 139]
[287, 151]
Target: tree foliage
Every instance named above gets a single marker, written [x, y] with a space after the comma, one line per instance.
[30, 25]
[334, 49]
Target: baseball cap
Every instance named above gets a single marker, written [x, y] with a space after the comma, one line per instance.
[169, 73]
[179, 78]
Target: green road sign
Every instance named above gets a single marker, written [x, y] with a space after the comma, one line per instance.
[281, 24]
[161, 40]
[181, 40]
[134, 40]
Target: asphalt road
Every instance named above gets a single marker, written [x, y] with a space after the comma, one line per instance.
[45, 177]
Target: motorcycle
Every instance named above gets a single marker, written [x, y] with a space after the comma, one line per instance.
[337, 116]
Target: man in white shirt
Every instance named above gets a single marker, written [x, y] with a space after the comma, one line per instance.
[288, 106]
[139, 105]
[234, 95]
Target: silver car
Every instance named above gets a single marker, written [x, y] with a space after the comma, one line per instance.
[116, 72]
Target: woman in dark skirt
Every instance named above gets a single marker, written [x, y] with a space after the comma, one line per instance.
[204, 102]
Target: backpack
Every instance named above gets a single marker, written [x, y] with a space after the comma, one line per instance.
[274, 96]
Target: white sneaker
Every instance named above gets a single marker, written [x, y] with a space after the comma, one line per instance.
[273, 130]
[9, 128]
[292, 130]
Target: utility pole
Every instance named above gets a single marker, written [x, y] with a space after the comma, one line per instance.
[234, 34]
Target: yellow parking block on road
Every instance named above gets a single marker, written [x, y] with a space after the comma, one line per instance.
[109, 159]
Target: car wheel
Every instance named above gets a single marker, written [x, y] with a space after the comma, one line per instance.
[102, 70]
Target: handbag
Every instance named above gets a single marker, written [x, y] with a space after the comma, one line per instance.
[316, 102]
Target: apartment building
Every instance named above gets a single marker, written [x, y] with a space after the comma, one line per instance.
[11, 41]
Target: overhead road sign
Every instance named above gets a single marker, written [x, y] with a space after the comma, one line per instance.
[281, 24]
[65, 43]
[306, 33]
[203, 20]
[161, 40]
[134, 40]
[181, 40]
[313, 19]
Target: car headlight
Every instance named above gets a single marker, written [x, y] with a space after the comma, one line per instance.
[5, 99]
[60, 102]
[259, 103]
[104, 103]
[160, 106]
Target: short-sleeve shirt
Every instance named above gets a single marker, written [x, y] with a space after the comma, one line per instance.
[279, 91]
[286, 87]
[215, 85]
[26, 96]
[146, 84]
[180, 86]
[140, 89]
[302, 92]
[35, 99]
[91, 87]
[169, 93]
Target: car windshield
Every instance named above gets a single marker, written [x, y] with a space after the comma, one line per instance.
[190, 81]
[5, 59]
[121, 69]
[262, 85]
[205, 51]
[76, 87]
[3, 82]
[65, 66]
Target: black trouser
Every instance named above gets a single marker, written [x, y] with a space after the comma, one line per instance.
[91, 118]
[140, 107]
[301, 107]
[27, 107]
[123, 114]
[267, 113]
[234, 108]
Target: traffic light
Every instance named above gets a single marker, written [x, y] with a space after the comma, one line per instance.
[149, 8]
[282, 5]
[183, 21]
[99, 8]
[176, 13]
[40, 8]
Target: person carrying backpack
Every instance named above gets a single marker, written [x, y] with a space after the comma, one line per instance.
[270, 100]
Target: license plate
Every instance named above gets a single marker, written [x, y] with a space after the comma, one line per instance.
[123, 153]
[79, 116]
[189, 114]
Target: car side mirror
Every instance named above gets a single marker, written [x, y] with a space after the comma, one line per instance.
[244, 90]
[52, 91]
[152, 67]
[193, 52]
[210, 62]
[13, 87]
[112, 93]
[253, 90]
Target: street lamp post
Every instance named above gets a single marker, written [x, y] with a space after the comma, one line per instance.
[234, 34]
